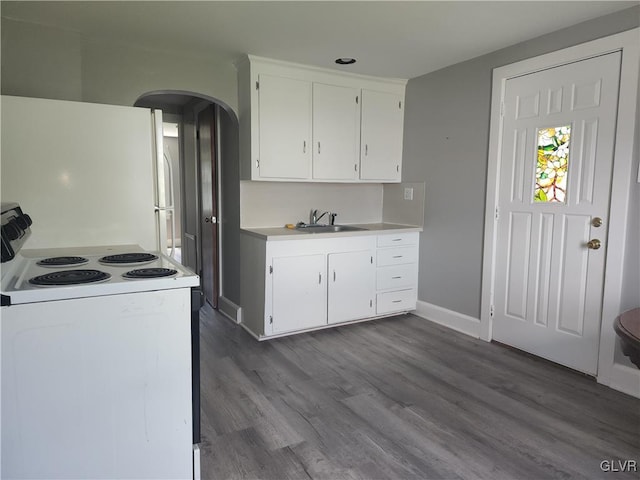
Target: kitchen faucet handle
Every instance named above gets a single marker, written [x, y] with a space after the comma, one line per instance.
[332, 218]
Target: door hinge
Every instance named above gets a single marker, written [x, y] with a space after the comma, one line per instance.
[491, 310]
[270, 268]
[270, 319]
[257, 85]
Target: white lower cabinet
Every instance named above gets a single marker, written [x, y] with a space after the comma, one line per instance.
[299, 292]
[296, 285]
[397, 273]
[351, 286]
[396, 301]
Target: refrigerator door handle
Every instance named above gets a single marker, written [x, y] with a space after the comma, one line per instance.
[160, 195]
[171, 211]
[167, 162]
[170, 205]
[161, 199]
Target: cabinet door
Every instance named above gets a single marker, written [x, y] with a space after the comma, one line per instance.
[351, 286]
[382, 126]
[336, 132]
[284, 119]
[299, 292]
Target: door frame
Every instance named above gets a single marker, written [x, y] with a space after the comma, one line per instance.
[627, 43]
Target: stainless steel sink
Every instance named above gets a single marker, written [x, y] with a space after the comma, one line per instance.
[328, 228]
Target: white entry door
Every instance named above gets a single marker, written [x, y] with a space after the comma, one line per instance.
[554, 189]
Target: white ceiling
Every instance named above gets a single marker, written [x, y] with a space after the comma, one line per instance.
[389, 38]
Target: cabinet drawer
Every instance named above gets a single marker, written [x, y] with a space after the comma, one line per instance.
[397, 276]
[397, 256]
[396, 301]
[410, 238]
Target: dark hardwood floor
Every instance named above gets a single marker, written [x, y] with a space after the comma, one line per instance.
[402, 398]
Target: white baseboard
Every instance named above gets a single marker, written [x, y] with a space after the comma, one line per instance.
[625, 379]
[230, 309]
[456, 321]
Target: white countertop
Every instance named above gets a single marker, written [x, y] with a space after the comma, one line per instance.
[283, 233]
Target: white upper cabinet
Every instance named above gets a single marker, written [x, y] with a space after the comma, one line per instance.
[284, 116]
[336, 132]
[381, 134]
[302, 123]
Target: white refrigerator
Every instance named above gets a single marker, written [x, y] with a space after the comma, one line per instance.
[89, 174]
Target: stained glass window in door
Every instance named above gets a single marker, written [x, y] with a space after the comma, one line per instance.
[552, 162]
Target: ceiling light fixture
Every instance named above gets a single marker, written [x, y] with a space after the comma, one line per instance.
[345, 61]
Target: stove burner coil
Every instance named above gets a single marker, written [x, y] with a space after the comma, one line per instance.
[124, 258]
[62, 261]
[150, 273]
[69, 277]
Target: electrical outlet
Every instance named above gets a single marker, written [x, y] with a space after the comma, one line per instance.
[408, 193]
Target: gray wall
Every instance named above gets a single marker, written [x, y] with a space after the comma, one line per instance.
[446, 143]
[44, 62]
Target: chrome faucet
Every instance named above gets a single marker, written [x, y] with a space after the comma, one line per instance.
[314, 218]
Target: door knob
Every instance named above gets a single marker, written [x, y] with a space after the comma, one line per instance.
[596, 222]
[594, 244]
[210, 219]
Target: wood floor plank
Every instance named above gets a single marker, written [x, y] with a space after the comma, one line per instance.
[401, 398]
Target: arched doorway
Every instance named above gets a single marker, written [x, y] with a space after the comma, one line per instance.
[200, 146]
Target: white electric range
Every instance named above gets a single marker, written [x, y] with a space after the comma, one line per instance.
[41, 275]
[98, 345]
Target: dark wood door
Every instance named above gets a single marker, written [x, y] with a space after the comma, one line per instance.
[209, 204]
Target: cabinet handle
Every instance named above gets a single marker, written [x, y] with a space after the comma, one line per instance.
[319, 278]
[397, 256]
[334, 275]
[318, 147]
[396, 240]
[366, 150]
[396, 301]
[395, 278]
[304, 146]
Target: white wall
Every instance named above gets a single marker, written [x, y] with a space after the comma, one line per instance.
[273, 204]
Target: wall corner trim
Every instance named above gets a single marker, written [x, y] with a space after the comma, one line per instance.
[454, 320]
[230, 309]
